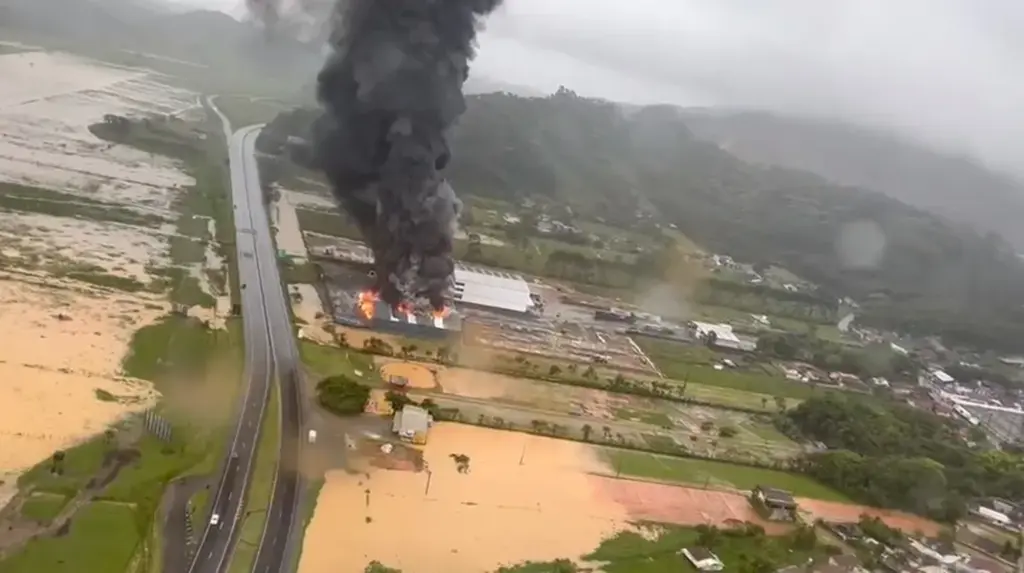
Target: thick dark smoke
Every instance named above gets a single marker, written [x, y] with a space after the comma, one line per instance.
[390, 89]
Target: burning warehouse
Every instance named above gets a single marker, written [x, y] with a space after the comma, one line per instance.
[378, 315]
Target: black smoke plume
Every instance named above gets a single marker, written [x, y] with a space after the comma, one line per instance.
[390, 89]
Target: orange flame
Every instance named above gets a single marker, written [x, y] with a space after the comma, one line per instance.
[440, 313]
[368, 303]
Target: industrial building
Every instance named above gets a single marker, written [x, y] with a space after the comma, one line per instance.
[411, 423]
[415, 325]
[1003, 424]
[491, 290]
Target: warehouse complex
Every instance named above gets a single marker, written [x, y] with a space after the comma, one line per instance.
[491, 290]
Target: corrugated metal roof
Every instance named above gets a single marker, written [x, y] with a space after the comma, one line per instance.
[486, 287]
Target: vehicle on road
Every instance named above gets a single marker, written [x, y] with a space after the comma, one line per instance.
[215, 519]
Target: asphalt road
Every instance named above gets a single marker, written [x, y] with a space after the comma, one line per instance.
[217, 541]
[277, 544]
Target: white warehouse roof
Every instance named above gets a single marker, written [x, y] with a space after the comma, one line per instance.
[496, 289]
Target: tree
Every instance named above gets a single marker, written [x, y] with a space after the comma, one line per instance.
[342, 339]
[378, 567]
[727, 432]
[586, 432]
[397, 400]
[554, 370]
[342, 395]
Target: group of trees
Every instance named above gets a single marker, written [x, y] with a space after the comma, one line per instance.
[833, 357]
[896, 456]
[341, 395]
[763, 299]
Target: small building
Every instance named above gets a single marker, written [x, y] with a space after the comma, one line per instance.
[774, 504]
[411, 423]
[703, 559]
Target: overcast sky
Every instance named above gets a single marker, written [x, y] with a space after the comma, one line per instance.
[950, 71]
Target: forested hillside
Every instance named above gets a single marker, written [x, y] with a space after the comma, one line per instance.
[952, 186]
[901, 457]
[932, 276]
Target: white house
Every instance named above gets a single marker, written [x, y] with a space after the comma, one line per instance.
[703, 559]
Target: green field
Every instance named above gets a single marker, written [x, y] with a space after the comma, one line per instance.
[324, 361]
[654, 550]
[721, 474]
[43, 507]
[102, 538]
[732, 397]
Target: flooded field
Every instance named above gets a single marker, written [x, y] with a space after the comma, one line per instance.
[83, 226]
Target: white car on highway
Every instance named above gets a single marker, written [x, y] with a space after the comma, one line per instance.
[215, 519]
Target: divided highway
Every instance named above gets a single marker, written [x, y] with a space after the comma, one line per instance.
[270, 349]
[213, 552]
[277, 543]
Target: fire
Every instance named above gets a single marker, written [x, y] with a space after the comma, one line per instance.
[368, 303]
[439, 316]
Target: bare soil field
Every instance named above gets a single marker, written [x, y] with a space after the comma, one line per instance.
[64, 333]
[849, 513]
[647, 501]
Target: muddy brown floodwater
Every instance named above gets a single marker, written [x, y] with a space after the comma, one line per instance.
[501, 512]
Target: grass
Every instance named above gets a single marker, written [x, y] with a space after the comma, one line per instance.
[659, 419]
[324, 361]
[733, 397]
[103, 279]
[752, 382]
[104, 396]
[260, 490]
[722, 474]
[655, 551]
[300, 273]
[186, 250]
[102, 538]
[43, 507]
[81, 463]
[28, 199]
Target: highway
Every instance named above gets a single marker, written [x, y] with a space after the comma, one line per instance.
[217, 541]
[277, 544]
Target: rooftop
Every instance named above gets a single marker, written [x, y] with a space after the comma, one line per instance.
[411, 419]
[492, 288]
[777, 496]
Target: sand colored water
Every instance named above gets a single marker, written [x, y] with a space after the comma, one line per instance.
[311, 311]
[418, 376]
[289, 234]
[47, 102]
[499, 513]
[121, 250]
[482, 385]
[57, 346]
